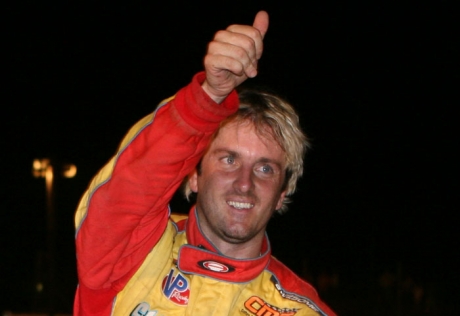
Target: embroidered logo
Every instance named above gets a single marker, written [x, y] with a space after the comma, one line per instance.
[259, 307]
[215, 266]
[176, 288]
[143, 309]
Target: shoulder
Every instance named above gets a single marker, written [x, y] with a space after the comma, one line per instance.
[292, 287]
[289, 280]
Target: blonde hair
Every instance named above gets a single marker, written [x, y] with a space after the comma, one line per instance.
[265, 109]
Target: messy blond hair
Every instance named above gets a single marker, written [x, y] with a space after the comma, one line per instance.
[264, 109]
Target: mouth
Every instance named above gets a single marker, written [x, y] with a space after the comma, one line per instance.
[240, 205]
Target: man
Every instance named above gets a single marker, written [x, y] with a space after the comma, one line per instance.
[135, 258]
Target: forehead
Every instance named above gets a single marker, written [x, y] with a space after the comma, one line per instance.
[244, 136]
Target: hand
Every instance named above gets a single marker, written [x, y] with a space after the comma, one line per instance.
[232, 56]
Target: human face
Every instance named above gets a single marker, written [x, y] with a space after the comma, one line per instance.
[239, 186]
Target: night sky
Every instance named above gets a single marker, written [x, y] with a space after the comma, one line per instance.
[376, 86]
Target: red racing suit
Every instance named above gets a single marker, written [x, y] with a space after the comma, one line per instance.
[135, 258]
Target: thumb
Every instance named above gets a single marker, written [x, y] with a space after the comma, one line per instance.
[261, 22]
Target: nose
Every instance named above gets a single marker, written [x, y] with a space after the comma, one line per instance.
[244, 181]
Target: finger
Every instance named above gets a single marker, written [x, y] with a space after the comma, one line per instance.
[245, 37]
[229, 56]
[256, 32]
[218, 63]
[261, 22]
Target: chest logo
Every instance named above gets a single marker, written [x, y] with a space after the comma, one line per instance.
[176, 288]
[143, 309]
[258, 306]
[215, 266]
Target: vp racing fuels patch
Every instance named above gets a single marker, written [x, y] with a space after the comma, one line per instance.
[176, 288]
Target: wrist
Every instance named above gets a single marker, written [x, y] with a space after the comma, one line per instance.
[211, 92]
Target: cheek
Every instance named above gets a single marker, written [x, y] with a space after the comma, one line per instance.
[272, 191]
[270, 186]
[214, 180]
[206, 180]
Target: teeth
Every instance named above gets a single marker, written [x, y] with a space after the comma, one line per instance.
[240, 205]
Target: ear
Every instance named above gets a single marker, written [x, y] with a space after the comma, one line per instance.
[280, 200]
[193, 181]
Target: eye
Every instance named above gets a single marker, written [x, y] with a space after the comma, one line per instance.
[266, 169]
[230, 160]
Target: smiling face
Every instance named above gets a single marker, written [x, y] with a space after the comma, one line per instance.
[239, 186]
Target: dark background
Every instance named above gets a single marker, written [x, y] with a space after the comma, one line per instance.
[373, 222]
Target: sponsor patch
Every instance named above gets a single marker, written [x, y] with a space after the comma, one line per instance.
[176, 288]
[215, 266]
[258, 306]
[143, 309]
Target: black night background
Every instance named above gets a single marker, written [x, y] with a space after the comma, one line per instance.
[373, 224]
